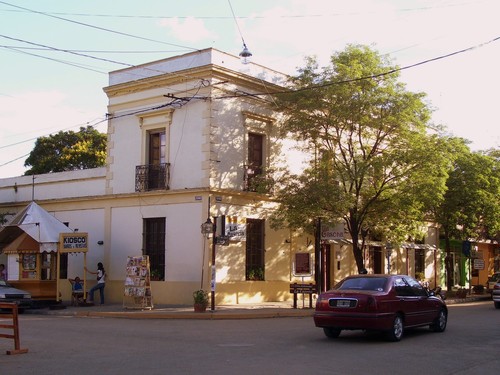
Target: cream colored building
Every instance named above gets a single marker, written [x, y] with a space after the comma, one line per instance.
[187, 138]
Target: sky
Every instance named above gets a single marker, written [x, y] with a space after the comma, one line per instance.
[55, 55]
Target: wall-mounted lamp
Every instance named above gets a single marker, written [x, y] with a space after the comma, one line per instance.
[100, 242]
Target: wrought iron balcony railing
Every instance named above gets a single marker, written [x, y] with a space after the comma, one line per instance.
[152, 177]
[258, 180]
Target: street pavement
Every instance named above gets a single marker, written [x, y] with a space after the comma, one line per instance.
[239, 311]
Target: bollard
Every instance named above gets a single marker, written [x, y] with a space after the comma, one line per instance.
[14, 326]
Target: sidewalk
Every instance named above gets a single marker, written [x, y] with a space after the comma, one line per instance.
[240, 311]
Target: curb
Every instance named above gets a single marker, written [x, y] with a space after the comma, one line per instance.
[186, 312]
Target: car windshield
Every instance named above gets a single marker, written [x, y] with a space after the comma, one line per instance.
[364, 283]
[495, 277]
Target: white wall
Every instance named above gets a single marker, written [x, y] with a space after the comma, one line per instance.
[81, 183]
[92, 222]
[183, 244]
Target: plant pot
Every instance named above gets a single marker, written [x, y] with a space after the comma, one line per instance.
[461, 293]
[200, 307]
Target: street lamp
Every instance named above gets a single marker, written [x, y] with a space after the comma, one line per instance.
[388, 249]
[206, 228]
[245, 55]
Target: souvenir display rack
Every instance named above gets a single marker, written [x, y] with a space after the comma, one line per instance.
[137, 292]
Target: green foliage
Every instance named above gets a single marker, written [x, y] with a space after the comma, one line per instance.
[67, 151]
[200, 297]
[375, 164]
[256, 274]
[471, 205]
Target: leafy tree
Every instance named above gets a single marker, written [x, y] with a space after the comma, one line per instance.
[375, 166]
[471, 206]
[67, 151]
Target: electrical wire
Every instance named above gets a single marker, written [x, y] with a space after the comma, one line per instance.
[55, 60]
[236, 21]
[93, 51]
[66, 51]
[145, 16]
[392, 71]
[98, 27]
[246, 94]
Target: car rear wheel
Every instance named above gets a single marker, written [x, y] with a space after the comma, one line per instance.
[396, 333]
[331, 333]
[439, 324]
[497, 305]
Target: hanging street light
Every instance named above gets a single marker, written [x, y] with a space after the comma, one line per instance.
[245, 55]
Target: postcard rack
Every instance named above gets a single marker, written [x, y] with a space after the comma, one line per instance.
[137, 289]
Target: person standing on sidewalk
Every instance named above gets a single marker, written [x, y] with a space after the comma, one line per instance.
[101, 283]
[3, 272]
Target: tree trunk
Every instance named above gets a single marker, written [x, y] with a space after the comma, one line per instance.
[357, 251]
[448, 261]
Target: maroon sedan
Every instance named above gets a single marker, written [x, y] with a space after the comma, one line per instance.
[387, 303]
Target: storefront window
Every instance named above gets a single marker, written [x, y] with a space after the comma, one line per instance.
[29, 265]
[48, 270]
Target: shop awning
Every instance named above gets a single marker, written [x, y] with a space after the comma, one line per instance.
[38, 224]
[22, 244]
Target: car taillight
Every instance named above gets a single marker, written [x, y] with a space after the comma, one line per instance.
[322, 302]
[496, 286]
[371, 304]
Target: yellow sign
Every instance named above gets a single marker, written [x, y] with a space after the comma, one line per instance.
[73, 242]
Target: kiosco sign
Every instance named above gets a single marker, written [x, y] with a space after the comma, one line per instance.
[73, 242]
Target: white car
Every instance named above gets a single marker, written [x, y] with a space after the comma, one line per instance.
[496, 294]
[10, 294]
[492, 280]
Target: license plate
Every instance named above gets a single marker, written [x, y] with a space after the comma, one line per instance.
[343, 303]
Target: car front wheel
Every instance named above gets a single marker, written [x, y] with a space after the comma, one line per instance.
[439, 324]
[396, 333]
[331, 333]
[497, 305]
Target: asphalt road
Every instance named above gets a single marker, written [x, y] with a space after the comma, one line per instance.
[107, 346]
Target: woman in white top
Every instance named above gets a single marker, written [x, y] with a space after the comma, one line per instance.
[101, 283]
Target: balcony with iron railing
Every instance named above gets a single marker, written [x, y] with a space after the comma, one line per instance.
[152, 177]
[258, 180]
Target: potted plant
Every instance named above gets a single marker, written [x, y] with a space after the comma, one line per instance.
[478, 289]
[155, 275]
[200, 300]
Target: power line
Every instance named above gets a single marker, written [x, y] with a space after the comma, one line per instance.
[97, 27]
[319, 15]
[66, 51]
[395, 70]
[93, 51]
[55, 60]
[245, 94]
[77, 54]
[13, 160]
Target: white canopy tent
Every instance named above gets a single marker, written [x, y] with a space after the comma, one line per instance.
[34, 229]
